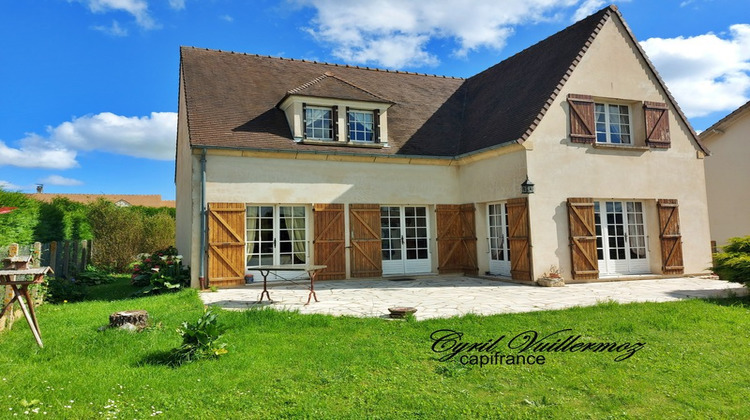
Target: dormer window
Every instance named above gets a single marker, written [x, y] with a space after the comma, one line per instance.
[330, 111]
[319, 122]
[361, 125]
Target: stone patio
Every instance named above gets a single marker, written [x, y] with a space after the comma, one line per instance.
[447, 296]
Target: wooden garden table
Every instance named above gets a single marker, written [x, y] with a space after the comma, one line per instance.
[312, 271]
[21, 291]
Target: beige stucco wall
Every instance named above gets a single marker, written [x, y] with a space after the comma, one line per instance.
[188, 196]
[490, 181]
[728, 180]
[560, 169]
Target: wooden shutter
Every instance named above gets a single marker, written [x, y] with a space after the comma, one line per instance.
[376, 125]
[335, 123]
[366, 255]
[582, 228]
[329, 241]
[456, 239]
[304, 120]
[656, 115]
[582, 126]
[671, 239]
[519, 238]
[226, 244]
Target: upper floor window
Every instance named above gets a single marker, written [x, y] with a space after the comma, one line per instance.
[318, 123]
[612, 123]
[361, 125]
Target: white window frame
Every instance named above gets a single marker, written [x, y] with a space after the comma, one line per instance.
[313, 129]
[276, 253]
[608, 124]
[372, 123]
[633, 238]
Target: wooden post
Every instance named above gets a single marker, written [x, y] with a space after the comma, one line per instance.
[37, 253]
[53, 256]
[66, 259]
[75, 266]
[84, 254]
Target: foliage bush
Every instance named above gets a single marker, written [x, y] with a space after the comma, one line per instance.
[94, 276]
[160, 272]
[733, 263]
[199, 340]
[63, 219]
[18, 225]
[118, 235]
[61, 290]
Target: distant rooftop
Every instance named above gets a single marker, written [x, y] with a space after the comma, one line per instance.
[122, 200]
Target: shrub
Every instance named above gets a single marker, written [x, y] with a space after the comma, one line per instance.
[118, 235]
[18, 225]
[199, 340]
[733, 263]
[94, 276]
[160, 272]
[158, 231]
[61, 289]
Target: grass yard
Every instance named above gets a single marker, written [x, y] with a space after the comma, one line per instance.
[287, 365]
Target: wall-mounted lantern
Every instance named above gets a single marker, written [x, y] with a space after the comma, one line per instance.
[527, 187]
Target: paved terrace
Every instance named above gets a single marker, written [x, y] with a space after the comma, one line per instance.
[446, 296]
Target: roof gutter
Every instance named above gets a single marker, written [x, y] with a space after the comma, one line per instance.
[372, 155]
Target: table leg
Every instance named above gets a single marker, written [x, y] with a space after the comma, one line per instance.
[312, 274]
[28, 312]
[265, 274]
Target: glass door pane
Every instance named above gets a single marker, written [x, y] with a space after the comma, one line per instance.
[498, 239]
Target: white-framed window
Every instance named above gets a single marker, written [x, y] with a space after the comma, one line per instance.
[361, 125]
[276, 235]
[612, 123]
[319, 123]
[621, 239]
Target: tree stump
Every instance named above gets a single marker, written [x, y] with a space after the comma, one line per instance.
[137, 319]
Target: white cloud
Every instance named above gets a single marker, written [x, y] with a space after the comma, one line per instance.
[35, 152]
[151, 137]
[587, 8]
[115, 29]
[395, 33]
[177, 4]
[226, 18]
[705, 73]
[8, 186]
[60, 180]
[137, 8]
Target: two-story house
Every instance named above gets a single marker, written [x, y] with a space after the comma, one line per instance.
[375, 172]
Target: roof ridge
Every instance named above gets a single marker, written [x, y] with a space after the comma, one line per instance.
[341, 79]
[437, 76]
[606, 15]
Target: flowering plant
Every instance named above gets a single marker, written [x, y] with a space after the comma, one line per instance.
[160, 271]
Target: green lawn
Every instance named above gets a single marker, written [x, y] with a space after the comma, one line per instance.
[280, 364]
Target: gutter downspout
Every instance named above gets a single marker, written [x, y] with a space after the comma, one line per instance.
[202, 276]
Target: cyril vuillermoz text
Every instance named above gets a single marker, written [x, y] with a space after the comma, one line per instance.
[525, 348]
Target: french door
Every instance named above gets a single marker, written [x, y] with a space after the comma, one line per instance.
[276, 235]
[497, 215]
[621, 244]
[405, 239]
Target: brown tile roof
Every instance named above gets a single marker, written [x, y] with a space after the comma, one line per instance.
[231, 99]
[149, 200]
[330, 86]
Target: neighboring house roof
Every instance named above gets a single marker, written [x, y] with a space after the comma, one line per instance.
[231, 99]
[150, 200]
[720, 126]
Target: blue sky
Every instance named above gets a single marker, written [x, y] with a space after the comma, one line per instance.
[88, 88]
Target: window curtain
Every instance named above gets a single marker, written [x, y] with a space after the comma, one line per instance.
[252, 231]
[294, 217]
